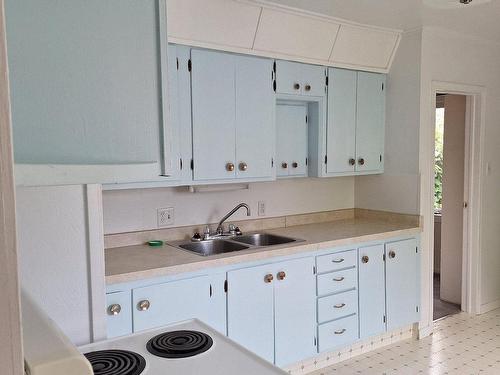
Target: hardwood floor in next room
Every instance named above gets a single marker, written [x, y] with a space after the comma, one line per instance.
[460, 344]
[442, 308]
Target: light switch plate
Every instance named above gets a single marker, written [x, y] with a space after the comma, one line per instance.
[262, 208]
[165, 217]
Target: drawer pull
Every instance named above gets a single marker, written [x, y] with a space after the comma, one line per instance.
[338, 260]
[339, 278]
[339, 306]
[340, 332]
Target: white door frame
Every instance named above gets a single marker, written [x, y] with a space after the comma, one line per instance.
[475, 124]
[11, 354]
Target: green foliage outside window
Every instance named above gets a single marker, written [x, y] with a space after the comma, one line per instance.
[438, 157]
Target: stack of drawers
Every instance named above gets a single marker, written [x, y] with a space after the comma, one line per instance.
[337, 296]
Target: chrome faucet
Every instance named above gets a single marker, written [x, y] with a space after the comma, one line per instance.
[220, 229]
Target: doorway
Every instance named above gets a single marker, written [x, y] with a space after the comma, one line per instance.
[450, 155]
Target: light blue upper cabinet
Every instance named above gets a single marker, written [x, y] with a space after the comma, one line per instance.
[402, 283]
[370, 122]
[291, 139]
[300, 79]
[295, 311]
[371, 290]
[255, 112]
[233, 116]
[88, 90]
[213, 111]
[356, 123]
[250, 309]
[341, 132]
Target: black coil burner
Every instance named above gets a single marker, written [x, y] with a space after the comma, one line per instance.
[116, 362]
[179, 344]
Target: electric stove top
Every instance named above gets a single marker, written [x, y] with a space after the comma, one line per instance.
[186, 348]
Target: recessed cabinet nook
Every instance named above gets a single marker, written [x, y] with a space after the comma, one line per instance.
[180, 115]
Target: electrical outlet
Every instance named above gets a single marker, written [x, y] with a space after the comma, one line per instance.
[262, 208]
[165, 216]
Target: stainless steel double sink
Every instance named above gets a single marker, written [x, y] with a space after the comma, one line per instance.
[236, 243]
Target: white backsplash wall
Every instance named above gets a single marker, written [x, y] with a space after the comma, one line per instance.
[135, 210]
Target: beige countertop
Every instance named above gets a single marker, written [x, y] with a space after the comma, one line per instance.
[131, 263]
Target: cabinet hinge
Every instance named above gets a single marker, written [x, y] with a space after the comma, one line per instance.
[326, 159]
[177, 62]
[381, 158]
[307, 161]
[326, 81]
[416, 308]
[272, 162]
[192, 164]
[385, 319]
[383, 257]
[416, 249]
[210, 290]
[307, 120]
[274, 85]
[383, 86]
[225, 286]
[190, 65]
[315, 341]
[180, 164]
[314, 270]
[274, 66]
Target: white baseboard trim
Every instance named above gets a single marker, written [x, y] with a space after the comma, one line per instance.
[489, 306]
[424, 332]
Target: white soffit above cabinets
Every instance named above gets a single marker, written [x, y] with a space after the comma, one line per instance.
[259, 27]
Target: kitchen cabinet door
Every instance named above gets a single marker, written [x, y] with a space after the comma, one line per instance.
[401, 283]
[300, 79]
[88, 108]
[371, 291]
[341, 126]
[291, 144]
[250, 309]
[313, 80]
[255, 113]
[171, 302]
[213, 115]
[118, 314]
[370, 122]
[295, 311]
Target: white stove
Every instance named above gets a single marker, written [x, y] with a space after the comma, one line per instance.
[186, 348]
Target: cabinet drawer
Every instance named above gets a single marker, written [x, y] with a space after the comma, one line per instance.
[338, 333]
[335, 282]
[337, 261]
[118, 314]
[337, 306]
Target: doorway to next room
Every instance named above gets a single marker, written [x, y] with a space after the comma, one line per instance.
[450, 155]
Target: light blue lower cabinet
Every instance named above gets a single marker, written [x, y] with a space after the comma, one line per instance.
[271, 310]
[371, 290]
[170, 302]
[402, 277]
[119, 314]
[338, 333]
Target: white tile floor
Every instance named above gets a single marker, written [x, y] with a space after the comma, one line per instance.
[461, 344]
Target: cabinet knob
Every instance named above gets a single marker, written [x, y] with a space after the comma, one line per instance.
[340, 331]
[229, 167]
[308, 87]
[352, 161]
[114, 309]
[365, 259]
[284, 165]
[143, 305]
[243, 166]
[295, 164]
[392, 254]
[268, 278]
[296, 86]
[281, 275]
[361, 161]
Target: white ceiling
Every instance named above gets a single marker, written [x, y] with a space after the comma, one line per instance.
[481, 20]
